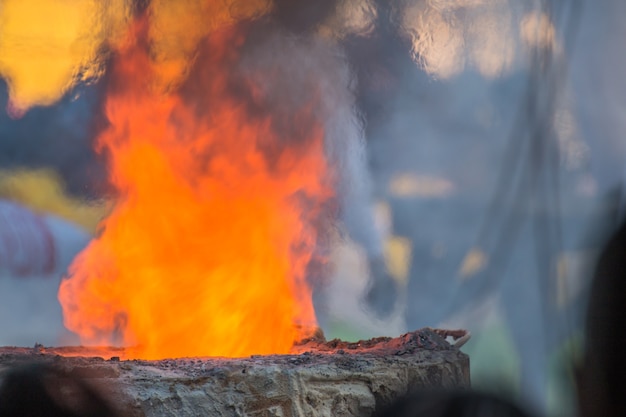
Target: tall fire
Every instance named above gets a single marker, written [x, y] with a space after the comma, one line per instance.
[206, 250]
[233, 138]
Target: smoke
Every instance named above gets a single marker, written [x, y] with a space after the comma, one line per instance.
[300, 66]
[301, 16]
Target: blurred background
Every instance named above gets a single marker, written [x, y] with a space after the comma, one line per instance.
[495, 151]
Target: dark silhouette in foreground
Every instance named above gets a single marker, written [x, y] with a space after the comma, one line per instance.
[451, 404]
[36, 389]
[601, 376]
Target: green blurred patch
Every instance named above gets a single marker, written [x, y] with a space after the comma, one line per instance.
[561, 385]
[495, 367]
[494, 362]
[338, 329]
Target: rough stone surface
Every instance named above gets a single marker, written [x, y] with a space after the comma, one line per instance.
[320, 379]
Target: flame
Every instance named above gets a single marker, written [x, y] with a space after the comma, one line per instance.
[206, 251]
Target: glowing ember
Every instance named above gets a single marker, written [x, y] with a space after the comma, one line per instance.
[206, 250]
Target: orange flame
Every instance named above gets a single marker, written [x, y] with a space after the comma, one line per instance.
[206, 251]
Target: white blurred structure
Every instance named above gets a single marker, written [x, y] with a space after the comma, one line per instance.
[35, 251]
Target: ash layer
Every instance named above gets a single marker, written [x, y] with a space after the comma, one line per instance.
[321, 378]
